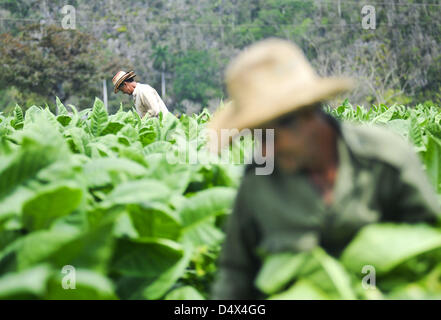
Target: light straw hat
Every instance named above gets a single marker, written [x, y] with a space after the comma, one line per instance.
[268, 80]
[120, 77]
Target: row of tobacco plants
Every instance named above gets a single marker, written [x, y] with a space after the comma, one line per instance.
[106, 204]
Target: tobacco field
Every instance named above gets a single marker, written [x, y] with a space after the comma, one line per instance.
[113, 198]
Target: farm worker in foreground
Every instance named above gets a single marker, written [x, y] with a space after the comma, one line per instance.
[330, 178]
[147, 100]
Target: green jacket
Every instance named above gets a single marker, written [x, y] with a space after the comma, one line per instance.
[380, 178]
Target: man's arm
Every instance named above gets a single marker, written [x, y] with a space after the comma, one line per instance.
[238, 264]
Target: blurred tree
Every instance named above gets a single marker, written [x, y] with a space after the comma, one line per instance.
[49, 61]
[196, 76]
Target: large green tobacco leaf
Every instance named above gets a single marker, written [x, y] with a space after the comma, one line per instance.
[112, 128]
[133, 152]
[429, 287]
[168, 169]
[61, 109]
[138, 192]
[302, 290]
[157, 147]
[99, 150]
[404, 242]
[319, 269]
[184, 293]
[128, 134]
[331, 277]
[60, 246]
[432, 161]
[189, 126]
[69, 170]
[279, 270]
[384, 117]
[50, 203]
[145, 257]
[91, 249]
[31, 115]
[27, 284]
[64, 120]
[89, 285]
[154, 220]
[18, 117]
[39, 148]
[149, 133]
[165, 281]
[99, 118]
[12, 204]
[78, 140]
[168, 125]
[199, 215]
[32, 249]
[63, 116]
[105, 171]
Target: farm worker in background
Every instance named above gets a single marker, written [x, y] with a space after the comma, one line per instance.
[330, 178]
[147, 100]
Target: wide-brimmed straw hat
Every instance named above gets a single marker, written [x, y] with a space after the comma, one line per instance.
[120, 77]
[268, 80]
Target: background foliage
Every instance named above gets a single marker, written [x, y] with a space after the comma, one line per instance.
[181, 47]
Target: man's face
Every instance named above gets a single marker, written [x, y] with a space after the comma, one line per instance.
[293, 141]
[126, 88]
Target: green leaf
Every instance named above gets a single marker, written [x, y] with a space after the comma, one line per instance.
[89, 285]
[112, 127]
[146, 258]
[157, 147]
[199, 213]
[432, 161]
[37, 151]
[319, 269]
[13, 203]
[172, 173]
[129, 133]
[19, 119]
[168, 125]
[79, 140]
[50, 203]
[166, 280]
[184, 293]
[33, 248]
[384, 117]
[331, 272]
[302, 290]
[64, 120]
[90, 250]
[138, 192]
[98, 118]
[154, 220]
[403, 243]
[106, 171]
[61, 109]
[31, 115]
[415, 132]
[279, 270]
[189, 127]
[27, 284]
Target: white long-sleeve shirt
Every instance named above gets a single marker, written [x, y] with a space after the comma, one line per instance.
[147, 100]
